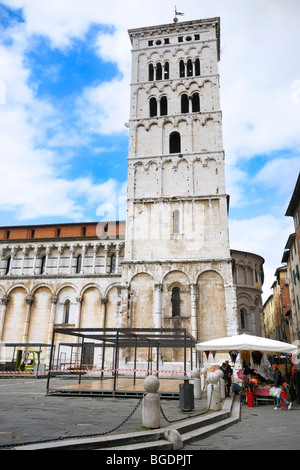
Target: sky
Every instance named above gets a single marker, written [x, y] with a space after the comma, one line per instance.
[64, 101]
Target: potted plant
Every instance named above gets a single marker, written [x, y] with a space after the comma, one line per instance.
[250, 387]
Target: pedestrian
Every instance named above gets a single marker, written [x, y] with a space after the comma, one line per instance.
[229, 375]
[278, 384]
[227, 371]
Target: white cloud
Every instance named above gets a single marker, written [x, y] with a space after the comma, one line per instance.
[266, 236]
[259, 74]
[280, 174]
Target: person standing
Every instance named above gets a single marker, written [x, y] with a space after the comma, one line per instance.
[278, 384]
[227, 371]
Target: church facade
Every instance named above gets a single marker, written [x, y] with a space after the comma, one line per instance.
[170, 265]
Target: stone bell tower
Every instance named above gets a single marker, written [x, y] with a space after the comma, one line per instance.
[177, 206]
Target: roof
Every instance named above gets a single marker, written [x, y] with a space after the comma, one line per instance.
[181, 26]
[132, 337]
[294, 200]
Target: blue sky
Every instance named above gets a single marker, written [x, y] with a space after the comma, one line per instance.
[64, 100]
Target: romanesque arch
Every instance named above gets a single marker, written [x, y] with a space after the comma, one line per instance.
[40, 315]
[211, 306]
[66, 306]
[91, 308]
[15, 315]
[141, 301]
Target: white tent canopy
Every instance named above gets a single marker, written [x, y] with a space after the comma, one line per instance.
[246, 343]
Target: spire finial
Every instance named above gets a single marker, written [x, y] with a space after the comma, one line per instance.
[177, 13]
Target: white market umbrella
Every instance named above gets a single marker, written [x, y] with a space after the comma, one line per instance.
[246, 343]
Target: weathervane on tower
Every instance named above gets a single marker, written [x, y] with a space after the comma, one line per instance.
[177, 13]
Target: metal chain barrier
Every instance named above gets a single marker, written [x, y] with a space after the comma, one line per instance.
[90, 371]
[189, 416]
[80, 436]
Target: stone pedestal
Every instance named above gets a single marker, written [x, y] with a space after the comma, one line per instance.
[151, 403]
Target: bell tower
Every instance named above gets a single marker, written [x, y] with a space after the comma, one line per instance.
[177, 206]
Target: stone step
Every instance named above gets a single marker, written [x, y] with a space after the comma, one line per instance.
[193, 428]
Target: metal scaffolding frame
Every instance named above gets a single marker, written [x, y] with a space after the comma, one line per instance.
[118, 338]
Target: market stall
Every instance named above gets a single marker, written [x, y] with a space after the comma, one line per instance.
[254, 380]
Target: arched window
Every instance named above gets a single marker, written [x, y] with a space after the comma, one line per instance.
[195, 103]
[175, 302]
[153, 107]
[184, 103]
[158, 71]
[197, 67]
[8, 263]
[181, 69]
[43, 264]
[113, 263]
[176, 221]
[151, 73]
[78, 264]
[189, 68]
[163, 106]
[175, 144]
[243, 318]
[166, 70]
[66, 316]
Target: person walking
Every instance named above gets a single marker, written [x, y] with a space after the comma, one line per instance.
[227, 371]
[278, 384]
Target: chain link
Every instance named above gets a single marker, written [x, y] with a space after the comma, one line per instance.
[114, 429]
[80, 436]
[189, 416]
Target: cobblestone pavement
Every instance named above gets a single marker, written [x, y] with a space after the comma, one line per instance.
[28, 415]
[260, 428]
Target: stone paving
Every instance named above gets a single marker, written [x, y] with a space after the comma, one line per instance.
[28, 415]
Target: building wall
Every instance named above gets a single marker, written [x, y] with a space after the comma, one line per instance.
[248, 277]
[177, 215]
[173, 267]
[43, 285]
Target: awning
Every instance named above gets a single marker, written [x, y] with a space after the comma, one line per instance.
[246, 343]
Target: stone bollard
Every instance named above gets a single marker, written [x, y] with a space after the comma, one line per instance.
[213, 392]
[151, 403]
[197, 383]
[220, 375]
[222, 389]
[203, 379]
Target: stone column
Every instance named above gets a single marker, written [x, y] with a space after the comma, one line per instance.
[194, 323]
[11, 261]
[1, 255]
[157, 318]
[35, 253]
[94, 259]
[117, 258]
[3, 302]
[29, 302]
[59, 252]
[54, 300]
[23, 260]
[77, 324]
[119, 308]
[78, 312]
[105, 258]
[46, 260]
[71, 259]
[82, 259]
